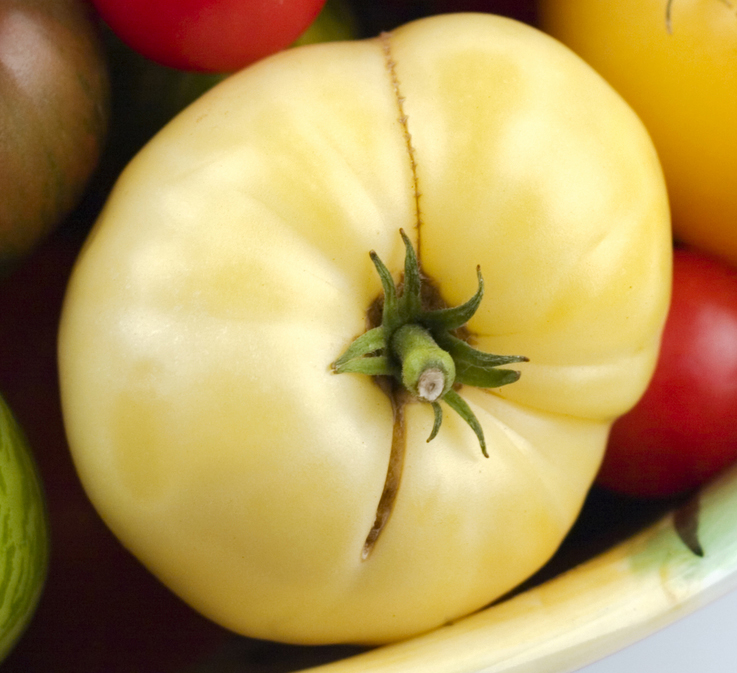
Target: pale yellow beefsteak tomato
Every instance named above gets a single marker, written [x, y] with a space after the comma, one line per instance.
[230, 269]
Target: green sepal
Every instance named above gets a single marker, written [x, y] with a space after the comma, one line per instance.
[438, 411]
[460, 406]
[455, 316]
[390, 318]
[410, 303]
[369, 342]
[378, 365]
[467, 358]
[476, 368]
[462, 351]
[485, 378]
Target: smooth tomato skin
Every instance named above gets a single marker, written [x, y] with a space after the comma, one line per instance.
[678, 71]
[206, 36]
[683, 430]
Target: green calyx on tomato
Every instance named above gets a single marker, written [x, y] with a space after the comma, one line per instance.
[416, 347]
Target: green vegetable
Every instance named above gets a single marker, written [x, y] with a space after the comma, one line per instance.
[24, 540]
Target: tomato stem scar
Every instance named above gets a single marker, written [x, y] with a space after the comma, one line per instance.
[416, 347]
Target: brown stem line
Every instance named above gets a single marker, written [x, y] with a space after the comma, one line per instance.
[391, 68]
[393, 475]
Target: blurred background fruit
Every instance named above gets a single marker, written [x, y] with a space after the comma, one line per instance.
[674, 62]
[24, 541]
[683, 430]
[53, 116]
[206, 36]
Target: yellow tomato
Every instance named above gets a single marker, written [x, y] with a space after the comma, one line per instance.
[675, 62]
[230, 268]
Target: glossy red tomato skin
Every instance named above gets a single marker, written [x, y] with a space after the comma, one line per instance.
[684, 429]
[208, 35]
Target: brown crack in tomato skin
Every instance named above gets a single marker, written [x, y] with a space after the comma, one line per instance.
[403, 119]
[393, 473]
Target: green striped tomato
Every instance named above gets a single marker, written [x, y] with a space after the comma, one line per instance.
[24, 544]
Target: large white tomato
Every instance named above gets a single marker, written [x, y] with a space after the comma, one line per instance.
[230, 269]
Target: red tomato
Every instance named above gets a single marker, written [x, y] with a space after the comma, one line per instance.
[684, 429]
[208, 35]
